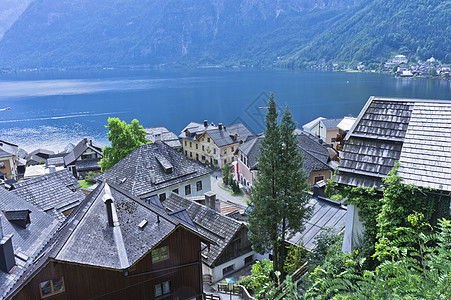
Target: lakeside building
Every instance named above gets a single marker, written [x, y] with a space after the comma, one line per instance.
[400, 59]
[212, 144]
[83, 158]
[414, 132]
[115, 246]
[8, 160]
[326, 129]
[318, 164]
[159, 169]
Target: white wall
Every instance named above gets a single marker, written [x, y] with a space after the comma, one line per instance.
[206, 187]
[353, 229]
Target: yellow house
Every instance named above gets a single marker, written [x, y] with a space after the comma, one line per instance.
[212, 144]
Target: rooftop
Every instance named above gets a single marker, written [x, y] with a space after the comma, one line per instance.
[78, 150]
[133, 173]
[415, 132]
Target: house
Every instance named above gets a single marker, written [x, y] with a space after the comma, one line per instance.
[317, 161]
[25, 229]
[83, 158]
[326, 129]
[38, 156]
[400, 59]
[161, 134]
[343, 128]
[212, 144]
[56, 193]
[415, 132]
[159, 169]
[8, 165]
[233, 248]
[115, 246]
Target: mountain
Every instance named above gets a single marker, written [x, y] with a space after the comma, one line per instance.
[63, 33]
[376, 30]
[124, 32]
[10, 10]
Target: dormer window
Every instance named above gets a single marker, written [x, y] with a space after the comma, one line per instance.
[19, 217]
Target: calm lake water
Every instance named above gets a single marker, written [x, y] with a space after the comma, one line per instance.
[51, 109]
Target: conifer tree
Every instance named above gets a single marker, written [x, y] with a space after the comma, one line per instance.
[279, 198]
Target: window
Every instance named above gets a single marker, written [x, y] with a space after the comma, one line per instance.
[203, 157]
[203, 148]
[208, 140]
[197, 156]
[233, 158]
[185, 143]
[203, 139]
[162, 288]
[248, 259]
[228, 270]
[190, 144]
[318, 178]
[52, 287]
[162, 197]
[225, 161]
[215, 161]
[2, 164]
[186, 153]
[175, 191]
[214, 151]
[160, 254]
[199, 185]
[231, 149]
[197, 146]
[187, 189]
[225, 151]
[191, 154]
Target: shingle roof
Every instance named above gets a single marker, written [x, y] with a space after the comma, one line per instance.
[53, 193]
[315, 154]
[9, 147]
[84, 165]
[135, 169]
[325, 214]
[220, 229]
[86, 238]
[78, 150]
[221, 137]
[28, 241]
[4, 153]
[415, 132]
[331, 123]
[166, 136]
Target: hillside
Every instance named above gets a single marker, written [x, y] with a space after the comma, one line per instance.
[10, 10]
[379, 29]
[185, 32]
[63, 33]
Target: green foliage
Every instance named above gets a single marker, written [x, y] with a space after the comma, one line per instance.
[124, 139]
[235, 186]
[279, 198]
[295, 258]
[42, 162]
[324, 243]
[419, 271]
[84, 184]
[259, 282]
[90, 177]
[226, 174]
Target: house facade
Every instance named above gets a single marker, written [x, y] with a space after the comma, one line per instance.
[212, 144]
[83, 158]
[326, 129]
[115, 246]
[8, 166]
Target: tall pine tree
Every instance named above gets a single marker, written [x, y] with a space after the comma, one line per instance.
[279, 196]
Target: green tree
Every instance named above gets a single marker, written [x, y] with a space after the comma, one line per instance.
[278, 198]
[226, 174]
[124, 139]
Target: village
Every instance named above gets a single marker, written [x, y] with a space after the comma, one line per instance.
[166, 222]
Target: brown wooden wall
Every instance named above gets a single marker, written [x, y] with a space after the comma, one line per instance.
[85, 282]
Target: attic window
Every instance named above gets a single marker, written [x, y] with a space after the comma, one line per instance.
[165, 164]
[19, 217]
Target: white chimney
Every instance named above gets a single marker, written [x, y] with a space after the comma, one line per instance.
[152, 175]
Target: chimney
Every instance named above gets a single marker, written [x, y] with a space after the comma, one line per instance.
[7, 260]
[220, 126]
[211, 201]
[108, 200]
[90, 142]
[205, 123]
[152, 175]
[319, 188]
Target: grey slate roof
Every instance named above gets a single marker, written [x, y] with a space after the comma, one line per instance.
[27, 242]
[325, 213]
[135, 169]
[4, 153]
[7, 147]
[86, 238]
[53, 193]
[166, 136]
[220, 229]
[85, 165]
[415, 132]
[78, 150]
[331, 123]
[315, 154]
[221, 137]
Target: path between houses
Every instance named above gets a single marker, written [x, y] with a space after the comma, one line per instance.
[223, 194]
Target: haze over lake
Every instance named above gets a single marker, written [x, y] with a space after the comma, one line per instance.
[51, 109]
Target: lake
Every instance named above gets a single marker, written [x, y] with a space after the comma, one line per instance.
[51, 109]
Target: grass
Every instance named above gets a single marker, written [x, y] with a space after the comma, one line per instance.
[84, 184]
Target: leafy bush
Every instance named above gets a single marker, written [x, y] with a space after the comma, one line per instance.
[90, 177]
